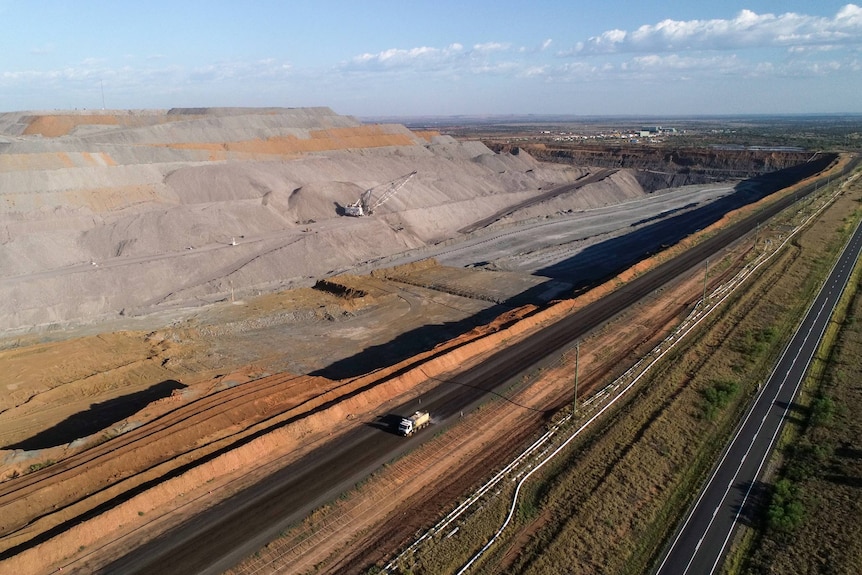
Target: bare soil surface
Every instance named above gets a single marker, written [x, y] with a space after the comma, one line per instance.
[153, 341]
[428, 480]
[657, 167]
[350, 536]
[178, 209]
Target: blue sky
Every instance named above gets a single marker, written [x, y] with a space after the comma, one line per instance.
[376, 57]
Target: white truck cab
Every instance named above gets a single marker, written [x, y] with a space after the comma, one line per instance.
[416, 421]
[405, 427]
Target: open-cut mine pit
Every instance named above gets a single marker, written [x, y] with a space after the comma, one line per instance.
[185, 307]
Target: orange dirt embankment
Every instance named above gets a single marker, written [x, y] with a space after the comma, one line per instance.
[426, 135]
[56, 125]
[60, 125]
[372, 136]
[371, 394]
[286, 443]
[54, 161]
[182, 435]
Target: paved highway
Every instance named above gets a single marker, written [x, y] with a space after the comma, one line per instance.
[221, 536]
[699, 545]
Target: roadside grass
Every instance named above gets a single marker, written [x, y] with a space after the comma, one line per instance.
[812, 521]
[617, 496]
[448, 552]
[717, 396]
[611, 501]
[663, 446]
[41, 465]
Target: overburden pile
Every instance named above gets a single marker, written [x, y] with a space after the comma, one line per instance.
[110, 213]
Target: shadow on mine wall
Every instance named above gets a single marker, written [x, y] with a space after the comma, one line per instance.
[407, 345]
[605, 260]
[398, 349]
[583, 270]
[98, 417]
[588, 268]
[427, 337]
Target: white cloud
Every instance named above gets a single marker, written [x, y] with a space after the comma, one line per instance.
[747, 30]
[42, 50]
[482, 58]
[655, 69]
[536, 71]
[490, 47]
[546, 44]
[133, 78]
[423, 56]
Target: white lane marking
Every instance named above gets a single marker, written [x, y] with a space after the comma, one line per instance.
[768, 451]
[739, 430]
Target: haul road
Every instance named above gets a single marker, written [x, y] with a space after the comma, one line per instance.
[220, 537]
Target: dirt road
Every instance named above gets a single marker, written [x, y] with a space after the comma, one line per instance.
[557, 191]
[241, 524]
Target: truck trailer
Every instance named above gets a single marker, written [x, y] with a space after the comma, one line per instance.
[416, 421]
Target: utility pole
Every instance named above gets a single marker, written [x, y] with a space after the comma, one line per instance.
[705, 275]
[577, 362]
[102, 86]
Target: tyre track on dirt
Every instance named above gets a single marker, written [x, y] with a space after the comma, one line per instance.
[36, 491]
[590, 179]
[215, 541]
[484, 377]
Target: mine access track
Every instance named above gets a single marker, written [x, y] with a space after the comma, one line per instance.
[217, 539]
[558, 191]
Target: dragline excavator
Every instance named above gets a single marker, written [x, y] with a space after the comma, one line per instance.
[366, 204]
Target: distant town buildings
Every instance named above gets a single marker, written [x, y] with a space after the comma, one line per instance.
[648, 133]
[651, 131]
[644, 134]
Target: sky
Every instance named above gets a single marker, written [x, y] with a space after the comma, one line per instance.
[369, 58]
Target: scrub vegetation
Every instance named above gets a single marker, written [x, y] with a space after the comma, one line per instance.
[609, 504]
[813, 519]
